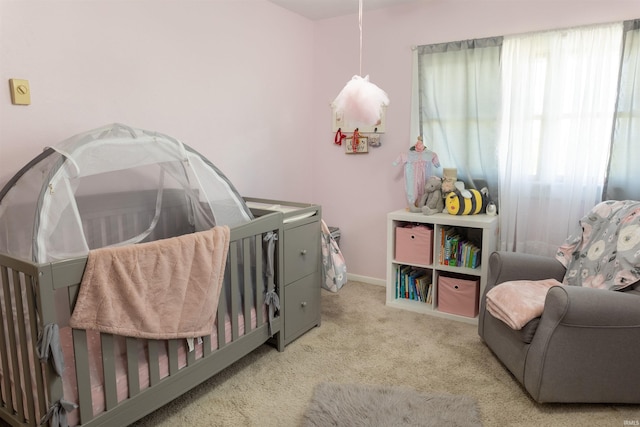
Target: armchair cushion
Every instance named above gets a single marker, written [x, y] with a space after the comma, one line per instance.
[605, 251]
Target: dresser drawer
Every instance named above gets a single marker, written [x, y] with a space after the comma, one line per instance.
[301, 251]
[302, 306]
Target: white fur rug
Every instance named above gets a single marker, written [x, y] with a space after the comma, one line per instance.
[368, 405]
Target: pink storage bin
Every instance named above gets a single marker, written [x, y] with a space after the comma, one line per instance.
[414, 245]
[458, 296]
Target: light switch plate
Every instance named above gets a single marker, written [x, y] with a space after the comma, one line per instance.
[20, 92]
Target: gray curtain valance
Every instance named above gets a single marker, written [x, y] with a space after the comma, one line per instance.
[460, 45]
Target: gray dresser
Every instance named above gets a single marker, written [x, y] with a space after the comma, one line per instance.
[302, 255]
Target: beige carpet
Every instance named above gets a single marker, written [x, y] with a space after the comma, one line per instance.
[361, 341]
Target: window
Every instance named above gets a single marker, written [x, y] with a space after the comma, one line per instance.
[535, 116]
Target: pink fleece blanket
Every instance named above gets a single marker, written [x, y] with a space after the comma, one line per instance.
[518, 302]
[160, 290]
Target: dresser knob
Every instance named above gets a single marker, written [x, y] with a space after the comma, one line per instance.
[303, 304]
[303, 252]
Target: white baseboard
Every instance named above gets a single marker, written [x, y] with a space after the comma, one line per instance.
[366, 279]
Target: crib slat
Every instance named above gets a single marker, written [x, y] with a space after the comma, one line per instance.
[6, 383]
[222, 310]
[172, 351]
[18, 287]
[33, 323]
[42, 280]
[103, 233]
[235, 303]
[206, 346]
[259, 287]
[109, 371]
[111, 228]
[133, 372]
[121, 224]
[81, 353]
[13, 349]
[191, 355]
[154, 362]
[248, 277]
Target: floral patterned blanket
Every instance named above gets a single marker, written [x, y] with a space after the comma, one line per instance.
[605, 251]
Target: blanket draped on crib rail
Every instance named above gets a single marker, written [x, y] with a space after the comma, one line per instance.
[164, 289]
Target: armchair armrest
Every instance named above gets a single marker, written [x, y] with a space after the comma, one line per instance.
[507, 266]
[585, 347]
[588, 307]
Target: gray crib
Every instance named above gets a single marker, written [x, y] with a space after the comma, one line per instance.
[153, 372]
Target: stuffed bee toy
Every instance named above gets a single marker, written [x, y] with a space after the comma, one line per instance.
[457, 202]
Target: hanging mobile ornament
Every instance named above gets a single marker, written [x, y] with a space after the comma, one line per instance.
[361, 101]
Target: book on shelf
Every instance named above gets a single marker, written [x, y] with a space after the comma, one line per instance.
[456, 250]
[429, 294]
[412, 283]
[422, 285]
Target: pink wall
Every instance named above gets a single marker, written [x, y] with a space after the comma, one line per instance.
[356, 192]
[226, 77]
[249, 85]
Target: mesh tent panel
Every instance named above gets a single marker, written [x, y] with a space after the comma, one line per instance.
[149, 185]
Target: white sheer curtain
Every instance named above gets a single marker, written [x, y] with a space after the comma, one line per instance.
[623, 180]
[558, 101]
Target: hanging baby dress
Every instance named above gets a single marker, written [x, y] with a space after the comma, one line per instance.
[418, 166]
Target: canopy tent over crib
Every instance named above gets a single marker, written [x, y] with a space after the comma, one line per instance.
[46, 208]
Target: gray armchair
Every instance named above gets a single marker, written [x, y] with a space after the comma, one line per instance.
[584, 348]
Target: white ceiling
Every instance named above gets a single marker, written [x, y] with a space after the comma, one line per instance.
[321, 9]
